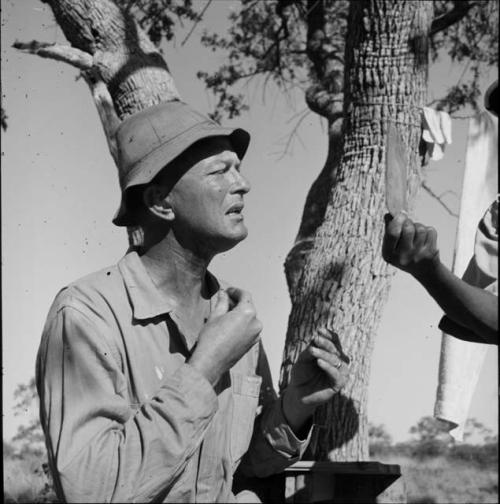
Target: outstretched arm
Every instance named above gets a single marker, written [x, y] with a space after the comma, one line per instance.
[412, 247]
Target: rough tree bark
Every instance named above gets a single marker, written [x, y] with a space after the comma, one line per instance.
[124, 70]
[337, 278]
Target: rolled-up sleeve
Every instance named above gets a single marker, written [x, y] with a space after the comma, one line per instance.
[274, 445]
[102, 448]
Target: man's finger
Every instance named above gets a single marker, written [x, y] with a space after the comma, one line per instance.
[393, 232]
[407, 234]
[221, 304]
[431, 238]
[238, 296]
[420, 236]
[307, 355]
[234, 293]
[321, 341]
[331, 357]
[333, 373]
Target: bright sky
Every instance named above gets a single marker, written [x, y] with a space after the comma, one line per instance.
[60, 191]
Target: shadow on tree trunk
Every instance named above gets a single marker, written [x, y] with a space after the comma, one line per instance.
[344, 415]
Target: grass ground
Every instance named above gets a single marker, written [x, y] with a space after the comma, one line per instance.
[431, 481]
[438, 480]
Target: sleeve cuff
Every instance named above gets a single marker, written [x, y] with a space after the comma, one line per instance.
[281, 436]
[189, 383]
[450, 327]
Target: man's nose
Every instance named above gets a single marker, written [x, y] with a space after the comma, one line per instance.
[241, 184]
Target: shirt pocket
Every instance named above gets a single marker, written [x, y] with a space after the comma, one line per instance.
[245, 395]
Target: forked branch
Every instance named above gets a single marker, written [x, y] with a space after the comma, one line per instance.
[459, 11]
[67, 54]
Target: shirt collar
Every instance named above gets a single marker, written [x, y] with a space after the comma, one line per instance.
[146, 299]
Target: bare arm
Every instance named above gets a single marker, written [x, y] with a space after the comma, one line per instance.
[412, 247]
[465, 304]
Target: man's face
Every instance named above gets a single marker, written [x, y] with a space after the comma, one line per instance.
[207, 201]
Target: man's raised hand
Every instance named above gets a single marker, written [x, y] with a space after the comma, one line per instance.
[409, 246]
[319, 373]
[231, 330]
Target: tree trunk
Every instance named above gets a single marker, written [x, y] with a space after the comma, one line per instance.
[124, 58]
[123, 68]
[342, 283]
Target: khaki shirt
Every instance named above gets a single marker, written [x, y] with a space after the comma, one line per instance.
[127, 419]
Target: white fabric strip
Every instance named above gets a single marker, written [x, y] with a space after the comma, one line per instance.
[460, 361]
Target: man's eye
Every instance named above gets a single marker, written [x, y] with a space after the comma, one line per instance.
[220, 171]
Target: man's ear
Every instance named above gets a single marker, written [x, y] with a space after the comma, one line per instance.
[157, 202]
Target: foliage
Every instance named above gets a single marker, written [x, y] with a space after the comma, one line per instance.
[482, 456]
[379, 439]
[433, 480]
[295, 43]
[472, 42]
[158, 18]
[29, 438]
[430, 429]
[431, 439]
[26, 474]
[438, 471]
[441, 480]
[300, 43]
[25, 394]
[8, 450]
[26, 478]
[378, 434]
[475, 429]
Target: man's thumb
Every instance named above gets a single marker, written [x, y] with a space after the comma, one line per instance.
[221, 304]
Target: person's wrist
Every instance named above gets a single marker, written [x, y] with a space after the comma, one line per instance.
[201, 365]
[426, 268]
[295, 412]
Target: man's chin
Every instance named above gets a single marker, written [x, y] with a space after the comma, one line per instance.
[231, 241]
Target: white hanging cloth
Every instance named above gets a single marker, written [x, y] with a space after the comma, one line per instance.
[436, 132]
[461, 361]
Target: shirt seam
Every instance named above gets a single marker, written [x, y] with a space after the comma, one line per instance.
[92, 323]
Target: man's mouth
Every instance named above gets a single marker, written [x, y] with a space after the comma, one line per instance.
[235, 209]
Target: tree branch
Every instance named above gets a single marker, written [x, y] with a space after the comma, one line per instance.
[67, 54]
[438, 199]
[324, 102]
[316, 36]
[294, 132]
[459, 11]
[196, 22]
[105, 108]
